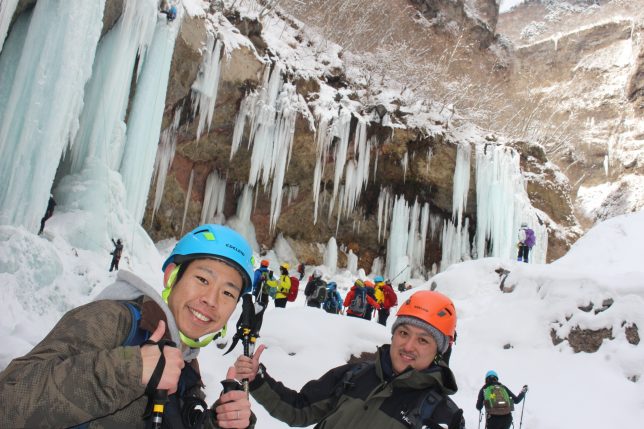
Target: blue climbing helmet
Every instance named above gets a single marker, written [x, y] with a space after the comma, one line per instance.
[379, 279]
[215, 242]
[491, 373]
[332, 285]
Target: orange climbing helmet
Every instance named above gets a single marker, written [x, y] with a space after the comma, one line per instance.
[433, 308]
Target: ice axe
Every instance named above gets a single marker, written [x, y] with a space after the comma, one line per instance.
[248, 325]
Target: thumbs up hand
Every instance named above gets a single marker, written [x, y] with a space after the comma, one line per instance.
[173, 362]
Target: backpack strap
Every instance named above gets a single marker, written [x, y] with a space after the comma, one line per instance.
[435, 411]
[136, 336]
[352, 374]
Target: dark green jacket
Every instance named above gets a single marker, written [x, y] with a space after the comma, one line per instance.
[372, 398]
[80, 372]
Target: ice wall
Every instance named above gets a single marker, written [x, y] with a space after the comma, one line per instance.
[7, 8]
[503, 204]
[44, 66]
[146, 115]
[407, 240]
[102, 124]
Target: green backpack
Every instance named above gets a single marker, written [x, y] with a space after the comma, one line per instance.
[497, 400]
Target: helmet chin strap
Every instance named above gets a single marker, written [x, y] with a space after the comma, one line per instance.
[204, 341]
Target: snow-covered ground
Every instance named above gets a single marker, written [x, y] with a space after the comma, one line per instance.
[42, 277]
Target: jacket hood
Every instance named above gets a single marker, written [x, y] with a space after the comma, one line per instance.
[438, 374]
[129, 286]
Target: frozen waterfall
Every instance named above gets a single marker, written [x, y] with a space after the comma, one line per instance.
[44, 64]
[146, 115]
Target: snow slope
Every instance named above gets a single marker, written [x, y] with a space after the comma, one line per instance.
[42, 277]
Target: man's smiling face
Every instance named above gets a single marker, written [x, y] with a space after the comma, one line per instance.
[205, 297]
[412, 346]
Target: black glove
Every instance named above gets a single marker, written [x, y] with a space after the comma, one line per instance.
[525, 389]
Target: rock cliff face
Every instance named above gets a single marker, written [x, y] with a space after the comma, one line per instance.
[580, 66]
[410, 161]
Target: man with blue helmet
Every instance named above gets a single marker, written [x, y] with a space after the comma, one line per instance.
[98, 364]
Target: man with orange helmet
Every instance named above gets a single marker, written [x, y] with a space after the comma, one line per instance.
[407, 386]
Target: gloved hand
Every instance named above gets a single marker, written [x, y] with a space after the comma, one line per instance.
[525, 389]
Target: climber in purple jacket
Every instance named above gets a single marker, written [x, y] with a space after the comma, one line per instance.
[526, 241]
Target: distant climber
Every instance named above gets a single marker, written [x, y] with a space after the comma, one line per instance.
[300, 270]
[315, 290]
[358, 301]
[48, 213]
[169, 10]
[526, 242]
[260, 286]
[116, 254]
[283, 286]
[333, 302]
[386, 297]
[498, 401]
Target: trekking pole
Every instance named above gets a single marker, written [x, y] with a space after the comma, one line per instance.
[480, 417]
[401, 271]
[159, 400]
[522, 407]
[248, 325]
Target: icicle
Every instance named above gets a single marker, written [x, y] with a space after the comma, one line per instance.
[164, 157]
[384, 207]
[404, 163]
[145, 118]
[376, 266]
[187, 203]
[293, 192]
[323, 139]
[273, 113]
[212, 210]
[352, 262]
[241, 221]
[44, 67]
[204, 89]
[331, 256]
[375, 165]
[342, 130]
[455, 243]
[398, 263]
[461, 181]
[7, 8]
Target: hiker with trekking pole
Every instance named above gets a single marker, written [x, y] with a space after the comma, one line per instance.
[499, 402]
[128, 359]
